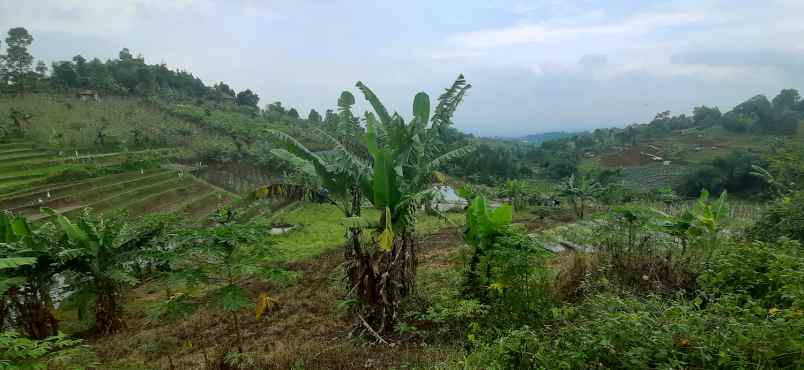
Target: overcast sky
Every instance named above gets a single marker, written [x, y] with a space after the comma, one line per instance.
[536, 66]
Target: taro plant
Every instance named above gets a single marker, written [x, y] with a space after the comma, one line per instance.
[403, 159]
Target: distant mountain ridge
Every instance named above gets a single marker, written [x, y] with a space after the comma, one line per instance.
[546, 136]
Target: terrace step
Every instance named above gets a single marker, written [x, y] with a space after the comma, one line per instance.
[199, 211]
[116, 200]
[16, 145]
[4, 152]
[90, 191]
[18, 198]
[8, 179]
[5, 159]
[155, 202]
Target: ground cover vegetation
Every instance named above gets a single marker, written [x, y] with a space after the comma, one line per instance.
[174, 225]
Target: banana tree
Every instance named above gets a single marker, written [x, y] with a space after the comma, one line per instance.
[101, 246]
[29, 259]
[403, 160]
[579, 192]
[516, 193]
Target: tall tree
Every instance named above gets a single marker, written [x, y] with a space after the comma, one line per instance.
[247, 98]
[787, 99]
[314, 116]
[41, 69]
[18, 59]
[293, 113]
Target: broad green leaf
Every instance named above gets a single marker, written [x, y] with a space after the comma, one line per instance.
[383, 179]
[375, 102]
[12, 262]
[20, 227]
[421, 108]
[7, 283]
[502, 216]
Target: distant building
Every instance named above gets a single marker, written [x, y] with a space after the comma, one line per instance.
[86, 95]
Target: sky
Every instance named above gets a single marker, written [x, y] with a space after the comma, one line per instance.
[535, 66]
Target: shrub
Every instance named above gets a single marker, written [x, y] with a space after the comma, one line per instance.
[784, 218]
[71, 174]
[54, 352]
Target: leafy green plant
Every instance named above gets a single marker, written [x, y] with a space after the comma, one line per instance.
[58, 351]
[29, 259]
[699, 224]
[506, 269]
[404, 157]
[516, 193]
[101, 248]
[223, 257]
[579, 192]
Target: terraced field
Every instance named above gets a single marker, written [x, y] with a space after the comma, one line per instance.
[25, 187]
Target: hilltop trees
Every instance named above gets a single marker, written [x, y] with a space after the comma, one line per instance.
[314, 116]
[247, 98]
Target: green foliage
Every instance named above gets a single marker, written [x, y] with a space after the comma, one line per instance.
[732, 172]
[784, 218]
[506, 269]
[579, 192]
[56, 352]
[516, 192]
[30, 257]
[213, 265]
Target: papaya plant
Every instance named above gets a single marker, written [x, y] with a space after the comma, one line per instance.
[225, 257]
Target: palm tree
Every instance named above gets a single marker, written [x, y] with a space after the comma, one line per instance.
[403, 159]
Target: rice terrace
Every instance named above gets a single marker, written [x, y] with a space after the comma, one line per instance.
[434, 186]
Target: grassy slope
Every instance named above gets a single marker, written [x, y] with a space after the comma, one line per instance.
[119, 118]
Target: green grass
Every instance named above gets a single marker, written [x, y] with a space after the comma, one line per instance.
[322, 229]
[63, 122]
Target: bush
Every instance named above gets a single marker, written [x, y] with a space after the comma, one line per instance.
[784, 218]
[71, 174]
[746, 314]
[56, 352]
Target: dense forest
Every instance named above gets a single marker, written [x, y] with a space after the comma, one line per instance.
[151, 221]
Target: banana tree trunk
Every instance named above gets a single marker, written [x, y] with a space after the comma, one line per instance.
[35, 313]
[108, 311]
[380, 280]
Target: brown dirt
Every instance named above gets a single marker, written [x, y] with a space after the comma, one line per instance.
[306, 328]
[629, 157]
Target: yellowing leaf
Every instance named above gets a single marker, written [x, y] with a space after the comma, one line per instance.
[497, 286]
[263, 302]
[439, 177]
[387, 236]
[261, 192]
[386, 240]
